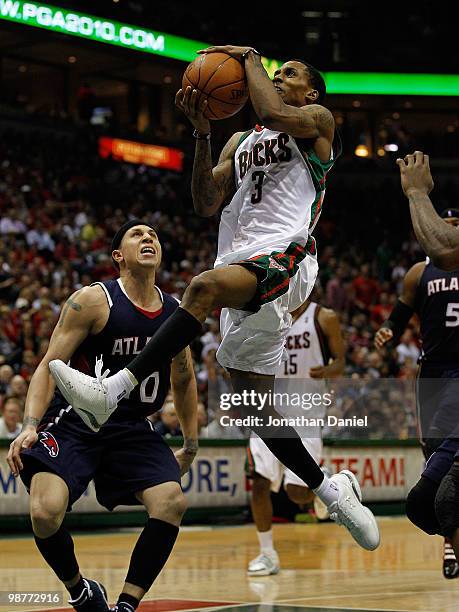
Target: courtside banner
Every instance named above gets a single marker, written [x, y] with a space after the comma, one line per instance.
[141, 153]
[384, 474]
[217, 477]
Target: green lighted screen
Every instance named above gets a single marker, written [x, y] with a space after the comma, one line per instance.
[128, 36]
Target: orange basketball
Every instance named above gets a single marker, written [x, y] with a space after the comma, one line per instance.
[221, 78]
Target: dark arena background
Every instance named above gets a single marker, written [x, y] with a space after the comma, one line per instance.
[90, 137]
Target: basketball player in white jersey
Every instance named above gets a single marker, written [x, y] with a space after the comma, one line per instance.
[266, 263]
[315, 350]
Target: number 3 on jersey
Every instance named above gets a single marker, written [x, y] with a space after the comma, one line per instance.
[257, 178]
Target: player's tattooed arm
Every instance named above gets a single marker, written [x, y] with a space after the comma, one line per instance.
[211, 187]
[70, 303]
[30, 421]
[184, 391]
[74, 326]
[310, 121]
[438, 239]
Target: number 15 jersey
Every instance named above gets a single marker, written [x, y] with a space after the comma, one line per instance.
[306, 345]
[280, 191]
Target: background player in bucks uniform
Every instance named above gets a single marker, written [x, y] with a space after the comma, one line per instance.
[433, 295]
[434, 508]
[275, 178]
[315, 350]
[57, 455]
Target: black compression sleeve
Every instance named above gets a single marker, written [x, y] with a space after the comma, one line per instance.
[399, 318]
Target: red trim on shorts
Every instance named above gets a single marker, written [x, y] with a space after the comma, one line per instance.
[287, 280]
[275, 289]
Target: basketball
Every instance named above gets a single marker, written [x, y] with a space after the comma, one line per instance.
[221, 78]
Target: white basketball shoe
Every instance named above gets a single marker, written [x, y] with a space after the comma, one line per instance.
[89, 396]
[266, 564]
[348, 511]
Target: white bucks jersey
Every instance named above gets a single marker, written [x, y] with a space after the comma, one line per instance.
[306, 345]
[280, 190]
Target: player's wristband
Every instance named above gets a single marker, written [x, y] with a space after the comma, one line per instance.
[250, 50]
[190, 447]
[200, 136]
[399, 318]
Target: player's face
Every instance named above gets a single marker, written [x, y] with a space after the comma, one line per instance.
[140, 246]
[292, 83]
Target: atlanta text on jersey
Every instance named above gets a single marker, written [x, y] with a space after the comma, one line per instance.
[442, 284]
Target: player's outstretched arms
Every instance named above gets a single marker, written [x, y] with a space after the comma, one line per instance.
[80, 313]
[184, 391]
[438, 239]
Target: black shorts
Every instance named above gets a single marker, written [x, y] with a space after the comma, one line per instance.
[123, 458]
[437, 403]
[441, 461]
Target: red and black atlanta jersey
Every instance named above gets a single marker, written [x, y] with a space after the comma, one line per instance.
[125, 334]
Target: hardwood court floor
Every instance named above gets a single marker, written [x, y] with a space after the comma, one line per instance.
[322, 570]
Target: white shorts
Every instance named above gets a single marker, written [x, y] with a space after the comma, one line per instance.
[254, 342]
[268, 465]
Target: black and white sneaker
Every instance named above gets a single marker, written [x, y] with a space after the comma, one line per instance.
[450, 563]
[93, 598]
[122, 607]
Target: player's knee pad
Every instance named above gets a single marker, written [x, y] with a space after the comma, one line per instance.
[420, 506]
[447, 502]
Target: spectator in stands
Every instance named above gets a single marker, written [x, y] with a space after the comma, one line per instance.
[169, 424]
[202, 417]
[6, 374]
[11, 419]
[408, 348]
[381, 310]
[366, 289]
[337, 293]
[18, 387]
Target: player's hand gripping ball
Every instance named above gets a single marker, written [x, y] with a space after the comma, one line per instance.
[221, 79]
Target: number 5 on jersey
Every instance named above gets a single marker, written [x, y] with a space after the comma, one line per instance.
[452, 313]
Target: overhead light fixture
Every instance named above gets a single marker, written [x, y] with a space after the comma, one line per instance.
[392, 147]
[362, 151]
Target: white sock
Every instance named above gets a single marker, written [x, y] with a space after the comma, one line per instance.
[120, 384]
[327, 491]
[265, 538]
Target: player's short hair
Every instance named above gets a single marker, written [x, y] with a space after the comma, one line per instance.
[118, 237]
[317, 80]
